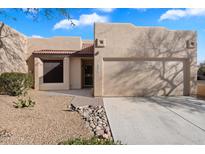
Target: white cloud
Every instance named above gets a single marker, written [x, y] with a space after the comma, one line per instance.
[84, 20]
[89, 19]
[175, 14]
[65, 24]
[36, 36]
[107, 10]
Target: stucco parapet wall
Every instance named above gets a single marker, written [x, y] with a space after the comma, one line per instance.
[124, 39]
[54, 43]
[130, 25]
[147, 46]
[87, 41]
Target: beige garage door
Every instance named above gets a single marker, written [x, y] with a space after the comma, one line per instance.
[143, 78]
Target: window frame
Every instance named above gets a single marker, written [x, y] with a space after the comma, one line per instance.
[61, 80]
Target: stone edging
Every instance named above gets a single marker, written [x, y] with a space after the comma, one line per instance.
[96, 119]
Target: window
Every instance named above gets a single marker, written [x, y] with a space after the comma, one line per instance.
[53, 71]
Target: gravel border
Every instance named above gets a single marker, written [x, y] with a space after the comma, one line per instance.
[96, 119]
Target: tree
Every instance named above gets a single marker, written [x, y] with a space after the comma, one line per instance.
[35, 14]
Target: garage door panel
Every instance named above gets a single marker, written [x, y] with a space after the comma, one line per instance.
[142, 78]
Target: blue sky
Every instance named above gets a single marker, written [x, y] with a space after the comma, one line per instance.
[176, 19]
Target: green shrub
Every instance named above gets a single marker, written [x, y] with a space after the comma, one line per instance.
[91, 141]
[21, 103]
[15, 84]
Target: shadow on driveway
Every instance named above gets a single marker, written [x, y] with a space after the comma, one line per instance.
[156, 120]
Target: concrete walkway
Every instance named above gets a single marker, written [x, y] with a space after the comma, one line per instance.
[156, 120]
[81, 97]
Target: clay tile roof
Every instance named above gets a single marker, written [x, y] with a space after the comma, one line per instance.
[87, 50]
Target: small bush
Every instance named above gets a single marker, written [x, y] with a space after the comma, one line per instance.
[21, 103]
[15, 84]
[91, 141]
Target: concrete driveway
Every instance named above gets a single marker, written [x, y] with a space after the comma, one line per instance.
[156, 120]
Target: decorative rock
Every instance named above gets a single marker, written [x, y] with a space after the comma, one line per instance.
[86, 114]
[71, 107]
[109, 134]
[96, 118]
[92, 125]
[87, 125]
[99, 132]
[101, 127]
[106, 136]
[98, 128]
[107, 129]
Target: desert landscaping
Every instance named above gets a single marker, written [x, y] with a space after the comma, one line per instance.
[48, 122]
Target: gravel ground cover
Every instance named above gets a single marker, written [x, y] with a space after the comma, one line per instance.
[48, 122]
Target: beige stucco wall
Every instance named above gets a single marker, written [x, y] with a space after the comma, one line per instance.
[39, 85]
[152, 51]
[141, 78]
[58, 43]
[16, 56]
[75, 73]
[54, 43]
[38, 72]
[133, 56]
[72, 74]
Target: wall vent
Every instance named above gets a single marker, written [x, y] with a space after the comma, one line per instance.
[100, 43]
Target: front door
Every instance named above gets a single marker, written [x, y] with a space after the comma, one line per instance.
[87, 74]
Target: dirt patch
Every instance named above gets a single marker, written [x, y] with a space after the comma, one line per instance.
[48, 122]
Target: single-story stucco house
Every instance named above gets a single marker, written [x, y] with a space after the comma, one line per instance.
[122, 60]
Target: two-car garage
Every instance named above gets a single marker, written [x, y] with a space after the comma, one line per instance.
[144, 77]
[132, 60]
